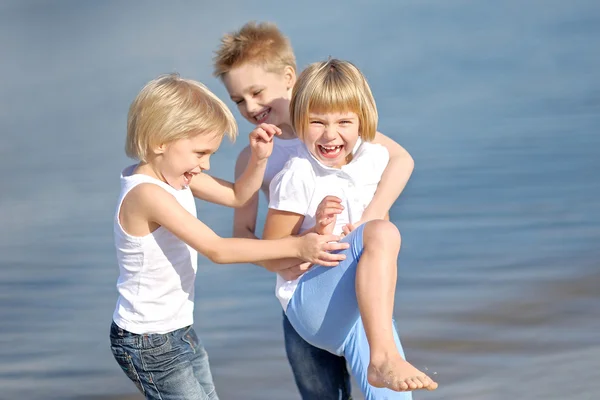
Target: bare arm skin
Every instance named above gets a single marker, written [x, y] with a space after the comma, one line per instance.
[147, 207]
[393, 181]
[244, 217]
[248, 182]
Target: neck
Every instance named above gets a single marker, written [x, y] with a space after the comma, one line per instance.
[149, 169]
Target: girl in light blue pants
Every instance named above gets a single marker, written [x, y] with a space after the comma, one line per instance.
[346, 310]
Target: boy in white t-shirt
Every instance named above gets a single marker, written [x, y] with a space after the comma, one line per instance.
[346, 310]
[258, 67]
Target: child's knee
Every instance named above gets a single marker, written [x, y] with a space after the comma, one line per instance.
[381, 231]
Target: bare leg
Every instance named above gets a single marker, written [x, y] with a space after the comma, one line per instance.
[375, 287]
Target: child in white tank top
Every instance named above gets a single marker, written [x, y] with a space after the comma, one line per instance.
[174, 126]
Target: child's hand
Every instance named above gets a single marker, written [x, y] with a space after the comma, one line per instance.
[326, 214]
[295, 272]
[261, 140]
[315, 249]
[349, 227]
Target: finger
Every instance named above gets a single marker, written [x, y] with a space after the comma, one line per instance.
[332, 198]
[325, 263]
[327, 213]
[333, 210]
[345, 230]
[336, 246]
[257, 132]
[327, 256]
[263, 135]
[325, 221]
[270, 129]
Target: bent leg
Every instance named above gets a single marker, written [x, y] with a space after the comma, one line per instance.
[318, 373]
[329, 301]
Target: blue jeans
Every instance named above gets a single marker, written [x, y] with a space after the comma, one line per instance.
[319, 374]
[164, 366]
[324, 311]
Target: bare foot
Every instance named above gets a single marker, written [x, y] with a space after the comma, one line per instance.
[399, 375]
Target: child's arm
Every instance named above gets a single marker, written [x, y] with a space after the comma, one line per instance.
[157, 206]
[244, 226]
[237, 194]
[244, 217]
[281, 224]
[394, 179]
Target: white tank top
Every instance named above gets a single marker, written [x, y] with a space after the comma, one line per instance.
[156, 271]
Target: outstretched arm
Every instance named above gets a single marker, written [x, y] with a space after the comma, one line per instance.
[393, 181]
[158, 207]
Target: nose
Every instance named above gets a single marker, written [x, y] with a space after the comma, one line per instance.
[204, 164]
[330, 132]
[252, 107]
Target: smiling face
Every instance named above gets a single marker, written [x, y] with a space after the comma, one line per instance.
[331, 137]
[260, 95]
[177, 162]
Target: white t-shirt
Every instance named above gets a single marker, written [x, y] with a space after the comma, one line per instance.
[156, 271]
[304, 182]
[283, 151]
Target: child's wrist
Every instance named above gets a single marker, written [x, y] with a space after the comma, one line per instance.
[259, 162]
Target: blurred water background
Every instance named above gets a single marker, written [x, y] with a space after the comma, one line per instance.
[498, 102]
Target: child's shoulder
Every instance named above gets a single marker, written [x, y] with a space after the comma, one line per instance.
[297, 171]
[373, 153]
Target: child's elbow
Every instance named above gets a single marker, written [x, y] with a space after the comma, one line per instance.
[216, 255]
[410, 163]
[218, 258]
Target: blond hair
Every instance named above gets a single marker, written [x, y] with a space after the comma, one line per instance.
[333, 86]
[169, 108]
[255, 43]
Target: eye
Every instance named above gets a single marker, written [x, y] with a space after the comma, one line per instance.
[238, 102]
[314, 121]
[345, 122]
[257, 92]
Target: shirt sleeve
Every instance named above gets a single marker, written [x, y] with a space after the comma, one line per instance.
[381, 158]
[292, 188]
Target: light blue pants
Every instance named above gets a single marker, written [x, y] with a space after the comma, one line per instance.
[324, 311]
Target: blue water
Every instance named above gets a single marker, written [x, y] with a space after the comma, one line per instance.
[498, 102]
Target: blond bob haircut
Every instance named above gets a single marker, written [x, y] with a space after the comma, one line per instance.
[333, 86]
[261, 44]
[170, 108]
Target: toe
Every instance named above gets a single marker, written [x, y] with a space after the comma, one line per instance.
[402, 385]
[417, 383]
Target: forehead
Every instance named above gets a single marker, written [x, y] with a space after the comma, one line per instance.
[333, 114]
[245, 76]
[205, 141]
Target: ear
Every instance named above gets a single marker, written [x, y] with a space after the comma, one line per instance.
[160, 149]
[290, 76]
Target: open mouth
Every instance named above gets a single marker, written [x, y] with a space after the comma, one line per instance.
[187, 178]
[330, 151]
[262, 117]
